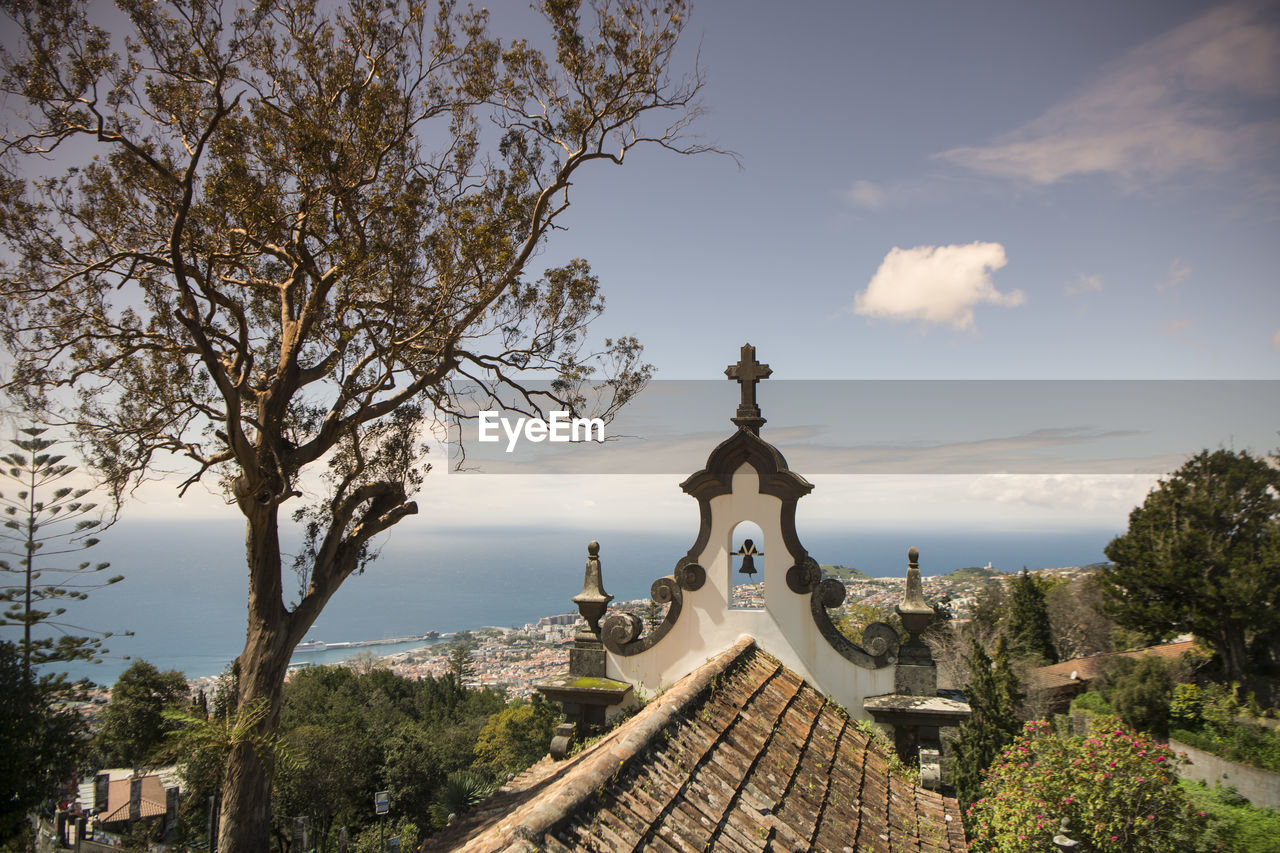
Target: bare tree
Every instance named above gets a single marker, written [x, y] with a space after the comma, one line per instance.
[281, 238]
[1079, 628]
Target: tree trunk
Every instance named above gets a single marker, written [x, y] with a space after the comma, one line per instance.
[1235, 657]
[245, 825]
[246, 788]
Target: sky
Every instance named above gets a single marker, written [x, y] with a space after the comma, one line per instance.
[921, 194]
[931, 191]
[960, 191]
[935, 191]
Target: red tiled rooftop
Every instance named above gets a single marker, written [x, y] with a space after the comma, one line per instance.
[1084, 669]
[153, 799]
[740, 755]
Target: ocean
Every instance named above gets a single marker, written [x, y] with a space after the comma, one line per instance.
[185, 583]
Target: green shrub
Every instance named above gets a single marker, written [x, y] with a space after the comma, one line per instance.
[1118, 789]
[1220, 707]
[1252, 745]
[514, 738]
[373, 839]
[1186, 706]
[1140, 695]
[1092, 702]
[1209, 719]
[1230, 825]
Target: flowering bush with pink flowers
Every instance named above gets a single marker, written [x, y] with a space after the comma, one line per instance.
[1118, 788]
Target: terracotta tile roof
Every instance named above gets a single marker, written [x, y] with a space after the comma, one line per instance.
[153, 799]
[741, 754]
[1085, 669]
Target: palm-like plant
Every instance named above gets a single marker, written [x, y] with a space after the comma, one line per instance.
[463, 790]
[194, 734]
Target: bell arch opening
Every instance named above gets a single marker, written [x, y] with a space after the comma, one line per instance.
[746, 566]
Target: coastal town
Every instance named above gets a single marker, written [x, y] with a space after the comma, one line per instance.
[516, 659]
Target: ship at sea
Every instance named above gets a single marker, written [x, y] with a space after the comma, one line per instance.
[311, 646]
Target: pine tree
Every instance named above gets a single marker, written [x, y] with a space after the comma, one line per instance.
[1028, 628]
[45, 519]
[461, 665]
[994, 695]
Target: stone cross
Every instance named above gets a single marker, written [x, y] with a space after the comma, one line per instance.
[748, 372]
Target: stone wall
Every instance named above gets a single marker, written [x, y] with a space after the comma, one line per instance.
[1260, 787]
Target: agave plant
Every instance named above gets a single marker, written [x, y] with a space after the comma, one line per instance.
[463, 790]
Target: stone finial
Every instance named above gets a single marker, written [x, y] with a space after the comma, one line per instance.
[593, 601]
[1062, 841]
[586, 692]
[914, 610]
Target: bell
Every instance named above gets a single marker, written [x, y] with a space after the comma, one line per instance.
[747, 551]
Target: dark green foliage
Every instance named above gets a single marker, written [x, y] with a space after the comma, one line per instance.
[201, 779]
[133, 726]
[1026, 623]
[330, 779]
[1264, 654]
[349, 734]
[198, 741]
[1140, 690]
[39, 740]
[45, 522]
[416, 760]
[1202, 555]
[993, 694]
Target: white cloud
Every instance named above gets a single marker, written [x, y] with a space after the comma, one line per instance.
[867, 194]
[1084, 284]
[1176, 325]
[1098, 496]
[1178, 273]
[873, 196]
[1275, 341]
[1186, 100]
[936, 284]
[982, 502]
